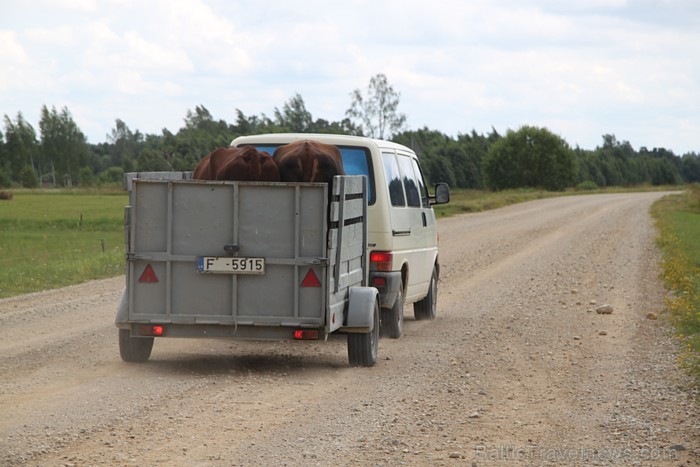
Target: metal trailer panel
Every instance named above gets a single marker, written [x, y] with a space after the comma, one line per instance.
[130, 176]
[347, 245]
[171, 222]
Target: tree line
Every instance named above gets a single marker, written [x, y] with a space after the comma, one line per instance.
[537, 158]
[59, 155]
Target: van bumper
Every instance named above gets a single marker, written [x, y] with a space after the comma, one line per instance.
[388, 284]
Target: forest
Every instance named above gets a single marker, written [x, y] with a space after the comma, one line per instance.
[57, 153]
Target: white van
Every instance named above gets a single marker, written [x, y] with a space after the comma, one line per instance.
[402, 231]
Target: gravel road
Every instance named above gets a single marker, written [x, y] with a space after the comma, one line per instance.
[518, 368]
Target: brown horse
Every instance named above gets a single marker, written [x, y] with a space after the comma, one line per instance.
[239, 164]
[308, 161]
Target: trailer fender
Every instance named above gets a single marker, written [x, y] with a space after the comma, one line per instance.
[122, 310]
[361, 303]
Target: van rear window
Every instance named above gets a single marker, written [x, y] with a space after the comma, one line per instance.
[356, 161]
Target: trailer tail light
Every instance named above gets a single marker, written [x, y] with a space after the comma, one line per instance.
[380, 260]
[305, 334]
[155, 330]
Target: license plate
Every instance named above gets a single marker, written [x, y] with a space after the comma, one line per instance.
[228, 265]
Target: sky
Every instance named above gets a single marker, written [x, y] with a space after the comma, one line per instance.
[580, 68]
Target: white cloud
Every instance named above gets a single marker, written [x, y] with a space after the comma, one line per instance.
[61, 36]
[84, 6]
[20, 73]
[11, 50]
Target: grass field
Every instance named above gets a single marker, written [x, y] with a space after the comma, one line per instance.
[462, 200]
[57, 238]
[678, 220]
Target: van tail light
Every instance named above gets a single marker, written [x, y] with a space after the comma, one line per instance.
[380, 260]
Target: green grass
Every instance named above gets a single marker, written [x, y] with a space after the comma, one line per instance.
[678, 220]
[463, 201]
[51, 239]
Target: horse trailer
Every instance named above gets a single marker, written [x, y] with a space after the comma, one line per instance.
[282, 260]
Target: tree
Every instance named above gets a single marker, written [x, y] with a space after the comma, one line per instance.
[200, 136]
[251, 125]
[530, 157]
[125, 144]
[150, 160]
[20, 148]
[63, 144]
[5, 179]
[29, 178]
[294, 117]
[377, 111]
[663, 172]
[691, 168]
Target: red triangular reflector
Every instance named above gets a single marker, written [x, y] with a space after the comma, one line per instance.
[310, 280]
[148, 275]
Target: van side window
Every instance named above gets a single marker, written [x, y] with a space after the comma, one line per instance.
[421, 184]
[409, 181]
[393, 179]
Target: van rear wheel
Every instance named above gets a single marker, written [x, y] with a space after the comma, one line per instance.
[426, 309]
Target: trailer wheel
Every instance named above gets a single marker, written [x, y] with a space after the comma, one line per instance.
[392, 319]
[134, 349]
[427, 308]
[362, 347]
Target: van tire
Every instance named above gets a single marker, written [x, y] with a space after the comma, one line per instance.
[134, 349]
[392, 318]
[426, 309]
[363, 347]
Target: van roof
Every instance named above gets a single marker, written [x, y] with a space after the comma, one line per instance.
[337, 140]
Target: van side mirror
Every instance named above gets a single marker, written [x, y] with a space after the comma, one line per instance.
[442, 194]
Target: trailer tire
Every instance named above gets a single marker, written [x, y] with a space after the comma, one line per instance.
[392, 318]
[134, 349]
[426, 309]
[362, 347]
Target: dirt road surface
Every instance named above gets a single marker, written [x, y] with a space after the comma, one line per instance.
[517, 369]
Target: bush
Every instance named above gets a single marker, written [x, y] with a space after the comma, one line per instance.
[112, 175]
[29, 177]
[86, 177]
[587, 185]
[5, 180]
[530, 158]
